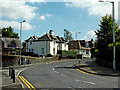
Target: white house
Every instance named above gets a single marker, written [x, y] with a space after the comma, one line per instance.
[47, 44]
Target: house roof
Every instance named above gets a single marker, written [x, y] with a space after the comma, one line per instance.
[7, 41]
[59, 40]
[45, 37]
[33, 37]
[76, 44]
[48, 37]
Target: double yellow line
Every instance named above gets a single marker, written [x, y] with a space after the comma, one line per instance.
[84, 72]
[27, 83]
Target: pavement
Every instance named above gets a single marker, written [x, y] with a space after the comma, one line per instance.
[86, 65]
[7, 82]
[90, 66]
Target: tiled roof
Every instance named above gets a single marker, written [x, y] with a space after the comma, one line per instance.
[76, 44]
[33, 37]
[7, 41]
[48, 37]
[59, 40]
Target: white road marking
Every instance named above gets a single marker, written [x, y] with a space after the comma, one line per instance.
[63, 75]
[89, 82]
[71, 88]
[60, 74]
[56, 72]
[85, 82]
[78, 80]
[53, 69]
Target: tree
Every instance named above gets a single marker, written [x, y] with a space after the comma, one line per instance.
[105, 33]
[67, 35]
[23, 44]
[8, 32]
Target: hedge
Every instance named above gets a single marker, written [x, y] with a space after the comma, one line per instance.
[108, 54]
[67, 54]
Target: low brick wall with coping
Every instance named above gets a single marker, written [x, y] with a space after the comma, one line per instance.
[9, 60]
[13, 60]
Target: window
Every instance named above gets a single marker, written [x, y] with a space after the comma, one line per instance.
[30, 50]
[30, 42]
[54, 51]
[54, 42]
[42, 51]
[72, 44]
[87, 45]
[87, 52]
[65, 44]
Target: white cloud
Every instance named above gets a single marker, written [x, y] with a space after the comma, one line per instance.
[15, 9]
[43, 17]
[48, 15]
[94, 7]
[90, 35]
[16, 25]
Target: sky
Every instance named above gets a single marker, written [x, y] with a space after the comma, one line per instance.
[43, 15]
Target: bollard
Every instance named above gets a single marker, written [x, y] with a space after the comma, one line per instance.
[11, 72]
[79, 62]
[13, 75]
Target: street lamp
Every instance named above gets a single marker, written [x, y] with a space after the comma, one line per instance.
[113, 14]
[21, 37]
[76, 34]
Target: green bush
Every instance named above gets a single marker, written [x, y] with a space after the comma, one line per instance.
[96, 52]
[106, 58]
[109, 51]
[109, 54]
[67, 54]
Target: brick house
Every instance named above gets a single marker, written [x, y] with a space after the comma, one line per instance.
[81, 46]
[10, 45]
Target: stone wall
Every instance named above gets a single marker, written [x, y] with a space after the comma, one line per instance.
[39, 60]
[10, 60]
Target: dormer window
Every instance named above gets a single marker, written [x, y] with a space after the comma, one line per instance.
[54, 42]
[12, 44]
[86, 44]
[30, 42]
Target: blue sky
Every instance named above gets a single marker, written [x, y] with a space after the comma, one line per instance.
[40, 16]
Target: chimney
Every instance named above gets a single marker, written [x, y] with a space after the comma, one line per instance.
[51, 32]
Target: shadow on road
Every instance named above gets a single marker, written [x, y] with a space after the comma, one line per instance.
[73, 67]
[67, 67]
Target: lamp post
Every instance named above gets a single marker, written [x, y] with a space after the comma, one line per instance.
[76, 34]
[113, 14]
[21, 38]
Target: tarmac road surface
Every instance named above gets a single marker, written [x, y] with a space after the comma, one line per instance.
[63, 75]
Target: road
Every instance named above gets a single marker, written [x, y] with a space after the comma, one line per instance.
[64, 75]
